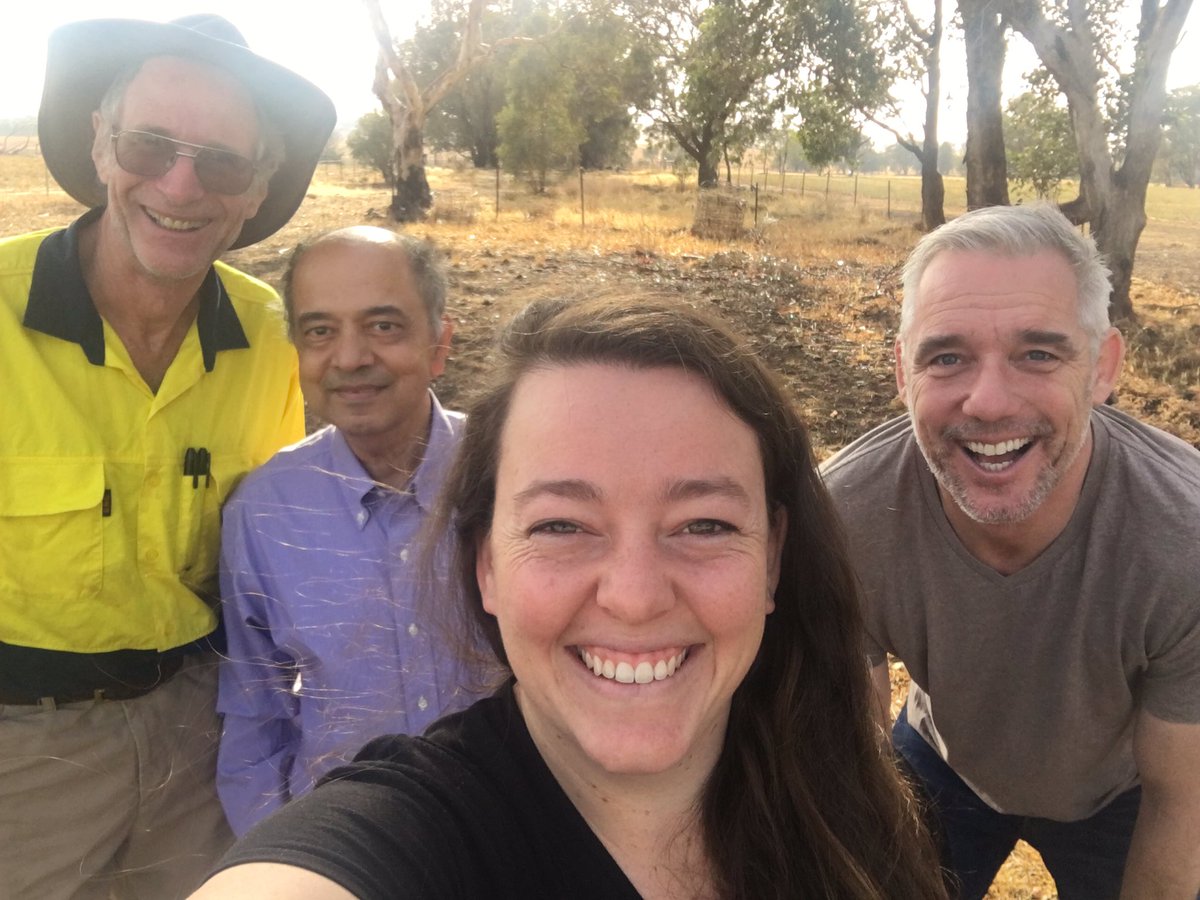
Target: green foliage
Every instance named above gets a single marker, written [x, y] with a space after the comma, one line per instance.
[370, 143]
[828, 134]
[1180, 152]
[605, 73]
[1039, 141]
[724, 70]
[465, 120]
[612, 74]
[538, 132]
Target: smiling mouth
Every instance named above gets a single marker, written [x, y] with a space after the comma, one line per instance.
[357, 391]
[999, 456]
[173, 224]
[625, 672]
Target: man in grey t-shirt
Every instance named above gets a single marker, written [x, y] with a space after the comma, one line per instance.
[1032, 556]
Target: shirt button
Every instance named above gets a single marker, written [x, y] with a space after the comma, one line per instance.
[151, 555]
[361, 517]
[422, 704]
[413, 630]
[152, 479]
[404, 555]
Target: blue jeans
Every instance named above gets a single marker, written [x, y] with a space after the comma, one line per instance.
[1086, 858]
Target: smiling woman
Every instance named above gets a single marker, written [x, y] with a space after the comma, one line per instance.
[643, 540]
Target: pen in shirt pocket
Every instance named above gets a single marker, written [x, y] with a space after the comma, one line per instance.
[197, 462]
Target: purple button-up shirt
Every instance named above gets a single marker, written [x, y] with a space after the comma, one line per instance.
[327, 645]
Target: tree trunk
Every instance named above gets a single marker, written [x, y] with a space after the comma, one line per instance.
[1116, 229]
[1112, 199]
[411, 197]
[933, 189]
[986, 163]
[408, 104]
[933, 194]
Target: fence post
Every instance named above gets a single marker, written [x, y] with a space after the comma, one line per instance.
[803, 175]
[855, 203]
[497, 189]
[828, 177]
[582, 221]
[889, 212]
[754, 187]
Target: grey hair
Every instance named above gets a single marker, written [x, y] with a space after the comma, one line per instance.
[425, 265]
[1014, 231]
[269, 154]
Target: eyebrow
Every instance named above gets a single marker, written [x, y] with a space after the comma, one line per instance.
[684, 489]
[567, 488]
[689, 489]
[320, 316]
[1048, 339]
[931, 346]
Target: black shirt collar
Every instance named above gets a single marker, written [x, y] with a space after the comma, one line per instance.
[60, 305]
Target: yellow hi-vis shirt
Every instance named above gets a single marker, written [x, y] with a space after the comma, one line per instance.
[105, 542]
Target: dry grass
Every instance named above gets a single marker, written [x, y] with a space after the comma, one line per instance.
[826, 264]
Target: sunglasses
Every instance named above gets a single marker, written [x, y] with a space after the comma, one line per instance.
[152, 155]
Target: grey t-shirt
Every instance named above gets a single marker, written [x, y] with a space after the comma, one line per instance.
[1028, 685]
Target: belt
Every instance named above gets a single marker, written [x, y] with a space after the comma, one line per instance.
[168, 665]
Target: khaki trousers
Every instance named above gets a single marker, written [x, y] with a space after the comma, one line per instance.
[113, 799]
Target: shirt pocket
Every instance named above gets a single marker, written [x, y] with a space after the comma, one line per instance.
[51, 529]
[199, 530]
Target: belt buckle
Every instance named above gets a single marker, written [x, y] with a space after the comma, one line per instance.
[48, 703]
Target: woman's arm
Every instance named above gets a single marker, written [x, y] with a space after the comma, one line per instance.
[270, 881]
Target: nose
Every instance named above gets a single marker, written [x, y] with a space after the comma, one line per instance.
[991, 393]
[635, 586]
[180, 182]
[352, 351]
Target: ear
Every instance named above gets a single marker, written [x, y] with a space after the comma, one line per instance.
[775, 540]
[1107, 368]
[102, 149]
[255, 196]
[898, 353]
[441, 349]
[484, 574]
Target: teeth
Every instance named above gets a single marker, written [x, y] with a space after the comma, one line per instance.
[626, 673]
[1010, 446]
[174, 224]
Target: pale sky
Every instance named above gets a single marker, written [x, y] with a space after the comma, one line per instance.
[331, 44]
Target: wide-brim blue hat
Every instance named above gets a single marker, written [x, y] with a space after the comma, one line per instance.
[85, 57]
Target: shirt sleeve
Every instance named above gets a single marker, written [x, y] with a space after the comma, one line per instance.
[260, 734]
[1170, 688]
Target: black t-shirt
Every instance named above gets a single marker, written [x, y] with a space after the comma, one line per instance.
[467, 811]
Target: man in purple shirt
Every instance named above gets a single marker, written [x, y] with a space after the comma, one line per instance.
[320, 573]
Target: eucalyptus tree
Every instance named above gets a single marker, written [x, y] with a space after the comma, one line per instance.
[1038, 139]
[408, 101]
[1116, 107]
[723, 69]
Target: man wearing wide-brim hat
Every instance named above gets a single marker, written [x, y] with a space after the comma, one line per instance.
[141, 379]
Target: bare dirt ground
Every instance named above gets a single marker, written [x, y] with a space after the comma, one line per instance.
[827, 325]
[826, 322]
